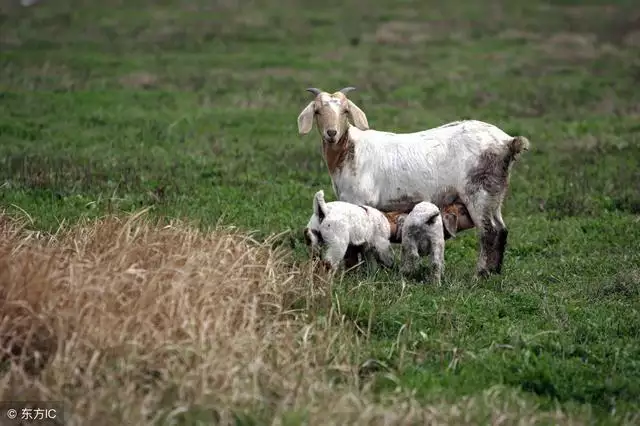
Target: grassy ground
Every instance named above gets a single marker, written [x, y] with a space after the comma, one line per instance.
[190, 108]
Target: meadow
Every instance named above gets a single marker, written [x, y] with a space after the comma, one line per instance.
[153, 186]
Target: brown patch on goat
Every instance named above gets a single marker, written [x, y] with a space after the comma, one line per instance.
[490, 173]
[392, 218]
[494, 241]
[499, 247]
[338, 154]
[517, 145]
[448, 201]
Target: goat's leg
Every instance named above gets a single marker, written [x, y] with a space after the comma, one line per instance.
[410, 258]
[485, 211]
[488, 242]
[494, 262]
[437, 263]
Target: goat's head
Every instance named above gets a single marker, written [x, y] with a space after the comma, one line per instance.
[332, 112]
[313, 240]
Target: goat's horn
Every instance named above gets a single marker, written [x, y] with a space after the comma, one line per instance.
[347, 89]
[314, 90]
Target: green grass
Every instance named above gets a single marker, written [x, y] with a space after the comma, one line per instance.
[191, 109]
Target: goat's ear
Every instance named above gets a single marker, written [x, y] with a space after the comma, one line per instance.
[357, 116]
[450, 222]
[305, 119]
[305, 234]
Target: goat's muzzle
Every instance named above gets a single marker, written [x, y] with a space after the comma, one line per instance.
[330, 136]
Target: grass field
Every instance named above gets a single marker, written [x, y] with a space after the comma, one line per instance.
[188, 110]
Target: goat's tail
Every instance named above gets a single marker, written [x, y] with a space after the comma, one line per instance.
[517, 145]
[319, 205]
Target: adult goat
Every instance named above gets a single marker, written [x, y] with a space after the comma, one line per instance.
[466, 162]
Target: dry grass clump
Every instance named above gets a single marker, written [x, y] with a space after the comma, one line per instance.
[131, 322]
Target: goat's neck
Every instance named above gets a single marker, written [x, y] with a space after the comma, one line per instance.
[337, 155]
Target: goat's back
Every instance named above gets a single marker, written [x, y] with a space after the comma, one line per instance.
[391, 170]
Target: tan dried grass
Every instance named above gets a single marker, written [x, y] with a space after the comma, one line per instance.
[132, 322]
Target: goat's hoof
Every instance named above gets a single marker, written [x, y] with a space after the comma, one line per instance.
[482, 273]
[487, 272]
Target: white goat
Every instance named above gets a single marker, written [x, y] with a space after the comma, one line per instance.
[468, 161]
[422, 233]
[337, 226]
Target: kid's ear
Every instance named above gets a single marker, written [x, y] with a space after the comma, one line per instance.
[305, 233]
[450, 222]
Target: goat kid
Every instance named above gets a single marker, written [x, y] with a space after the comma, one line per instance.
[339, 227]
[455, 218]
[466, 160]
[422, 234]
